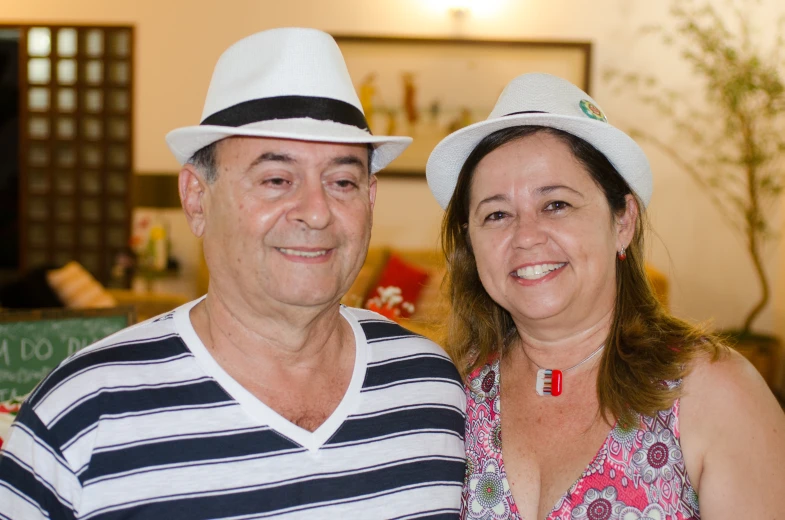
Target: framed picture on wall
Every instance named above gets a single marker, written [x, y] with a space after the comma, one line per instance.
[426, 88]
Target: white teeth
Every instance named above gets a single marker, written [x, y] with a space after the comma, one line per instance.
[534, 272]
[304, 254]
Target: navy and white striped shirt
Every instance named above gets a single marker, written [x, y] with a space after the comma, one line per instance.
[145, 424]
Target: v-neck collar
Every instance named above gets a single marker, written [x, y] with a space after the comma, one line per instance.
[597, 456]
[312, 441]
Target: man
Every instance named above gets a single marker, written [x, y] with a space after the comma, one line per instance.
[266, 398]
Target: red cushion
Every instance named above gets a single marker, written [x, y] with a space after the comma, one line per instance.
[409, 278]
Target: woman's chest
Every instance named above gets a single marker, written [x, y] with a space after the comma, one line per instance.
[548, 446]
[553, 468]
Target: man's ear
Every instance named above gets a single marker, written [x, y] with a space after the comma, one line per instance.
[626, 222]
[193, 194]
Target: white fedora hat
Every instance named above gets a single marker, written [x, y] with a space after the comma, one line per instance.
[541, 100]
[288, 83]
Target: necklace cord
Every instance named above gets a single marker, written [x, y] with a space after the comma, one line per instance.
[597, 351]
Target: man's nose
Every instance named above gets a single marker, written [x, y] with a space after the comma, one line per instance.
[312, 206]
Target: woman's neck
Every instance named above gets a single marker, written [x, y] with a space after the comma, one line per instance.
[563, 349]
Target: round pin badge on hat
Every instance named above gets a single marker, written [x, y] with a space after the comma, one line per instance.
[592, 110]
[538, 99]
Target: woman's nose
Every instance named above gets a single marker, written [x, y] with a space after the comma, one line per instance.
[528, 232]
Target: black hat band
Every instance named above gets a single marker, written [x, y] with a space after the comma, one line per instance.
[288, 107]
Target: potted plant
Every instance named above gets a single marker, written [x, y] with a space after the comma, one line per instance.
[735, 149]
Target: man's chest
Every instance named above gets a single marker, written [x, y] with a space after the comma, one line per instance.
[308, 410]
[224, 460]
[306, 404]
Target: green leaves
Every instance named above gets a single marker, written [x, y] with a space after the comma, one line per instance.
[734, 148]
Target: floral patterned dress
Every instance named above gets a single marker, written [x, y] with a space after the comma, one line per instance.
[638, 473]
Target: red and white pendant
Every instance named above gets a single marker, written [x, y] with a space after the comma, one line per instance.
[549, 382]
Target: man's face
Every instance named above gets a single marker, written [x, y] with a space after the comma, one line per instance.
[287, 223]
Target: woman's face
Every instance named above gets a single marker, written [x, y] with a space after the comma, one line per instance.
[543, 236]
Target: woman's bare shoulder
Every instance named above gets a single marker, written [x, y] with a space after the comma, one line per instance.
[728, 380]
[733, 436]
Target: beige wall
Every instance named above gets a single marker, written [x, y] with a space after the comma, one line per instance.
[178, 42]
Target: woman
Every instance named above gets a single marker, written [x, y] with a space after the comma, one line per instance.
[613, 409]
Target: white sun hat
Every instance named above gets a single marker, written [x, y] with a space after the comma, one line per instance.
[287, 83]
[539, 99]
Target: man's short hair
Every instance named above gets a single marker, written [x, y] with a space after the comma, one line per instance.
[205, 161]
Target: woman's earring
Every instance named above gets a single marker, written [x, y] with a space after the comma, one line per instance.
[622, 255]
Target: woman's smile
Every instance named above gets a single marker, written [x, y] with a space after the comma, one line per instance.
[536, 274]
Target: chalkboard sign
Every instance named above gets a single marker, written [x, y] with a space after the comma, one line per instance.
[32, 343]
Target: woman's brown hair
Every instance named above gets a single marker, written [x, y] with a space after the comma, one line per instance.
[646, 346]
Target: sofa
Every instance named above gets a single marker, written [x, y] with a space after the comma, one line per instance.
[430, 307]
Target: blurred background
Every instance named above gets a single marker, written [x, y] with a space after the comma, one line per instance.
[89, 88]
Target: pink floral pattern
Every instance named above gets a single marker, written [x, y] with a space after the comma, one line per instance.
[638, 473]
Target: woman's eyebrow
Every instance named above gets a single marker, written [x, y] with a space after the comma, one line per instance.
[494, 198]
[544, 190]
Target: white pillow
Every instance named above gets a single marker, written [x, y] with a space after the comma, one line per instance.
[77, 288]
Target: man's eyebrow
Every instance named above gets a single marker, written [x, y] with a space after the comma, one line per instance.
[545, 190]
[344, 160]
[272, 157]
[288, 159]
